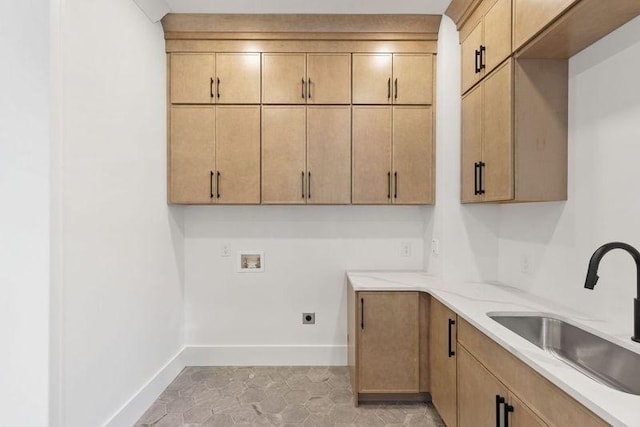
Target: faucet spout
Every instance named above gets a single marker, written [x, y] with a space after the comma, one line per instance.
[592, 276]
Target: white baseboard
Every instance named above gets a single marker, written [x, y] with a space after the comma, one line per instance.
[225, 355]
[267, 355]
[142, 400]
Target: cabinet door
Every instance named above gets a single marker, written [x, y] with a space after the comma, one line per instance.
[412, 155]
[192, 78]
[283, 78]
[442, 362]
[470, 58]
[471, 150]
[497, 34]
[283, 155]
[329, 155]
[329, 78]
[192, 155]
[371, 155]
[498, 180]
[388, 342]
[372, 78]
[238, 78]
[521, 415]
[238, 154]
[413, 79]
[477, 391]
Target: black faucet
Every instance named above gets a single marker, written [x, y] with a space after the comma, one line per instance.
[592, 277]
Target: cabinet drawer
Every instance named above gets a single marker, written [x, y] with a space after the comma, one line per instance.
[551, 404]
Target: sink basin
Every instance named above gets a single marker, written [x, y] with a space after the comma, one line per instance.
[598, 358]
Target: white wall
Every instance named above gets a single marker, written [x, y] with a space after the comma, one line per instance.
[307, 250]
[24, 217]
[468, 234]
[604, 147]
[121, 252]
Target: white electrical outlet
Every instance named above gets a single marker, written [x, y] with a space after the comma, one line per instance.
[525, 266]
[405, 249]
[435, 246]
[225, 251]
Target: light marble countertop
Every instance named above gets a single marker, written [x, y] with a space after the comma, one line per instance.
[472, 302]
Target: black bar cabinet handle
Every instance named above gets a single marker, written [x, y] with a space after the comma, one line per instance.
[309, 183]
[218, 87]
[507, 409]
[499, 401]
[361, 313]
[218, 184]
[303, 184]
[211, 88]
[483, 49]
[475, 179]
[395, 185]
[388, 185]
[309, 88]
[302, 89]
[480, 180]
[477, 64]
[389, 88]
[211, 185]
[396, 87]
[451, 352]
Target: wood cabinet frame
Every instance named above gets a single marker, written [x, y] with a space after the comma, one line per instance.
[309, 35]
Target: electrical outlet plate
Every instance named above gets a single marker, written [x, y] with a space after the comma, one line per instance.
[435, 246]
[308, 318]
[405, 249]
[225, 251]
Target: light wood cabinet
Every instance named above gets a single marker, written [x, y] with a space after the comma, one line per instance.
[210, 78]
[192, 78]
[372, 78]
[487, 42]
[192, 155]
[283, 154]
[271, 112]
[238, 154]
[380, 79]
[392, 155]
[442, 361]
[388, 342]
[372, 135]
[306, 155]
[284, 78]
[481, 397]
[328, 78]
[237, 78]
[328, 155]
[388, 345]
[413, 179]
[507, 156]
[215, 155]
[299, 78]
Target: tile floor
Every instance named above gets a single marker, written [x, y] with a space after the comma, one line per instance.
[275, 396]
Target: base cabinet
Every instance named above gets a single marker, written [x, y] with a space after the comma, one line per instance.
[442, 358]
[388, 343]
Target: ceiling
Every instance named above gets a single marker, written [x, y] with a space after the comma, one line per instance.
[310, 6]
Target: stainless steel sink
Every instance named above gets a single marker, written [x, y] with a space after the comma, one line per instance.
[602, 360]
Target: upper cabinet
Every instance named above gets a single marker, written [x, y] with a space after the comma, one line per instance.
[192, 78]
[297, 109]
[384, 78]
[299, 78]
[485, 41]
[223, 78]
